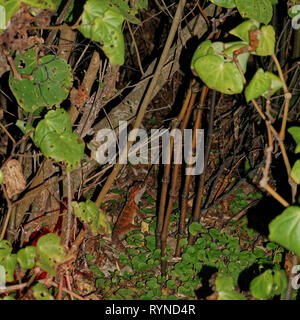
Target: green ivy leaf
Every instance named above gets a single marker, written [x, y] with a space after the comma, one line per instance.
[102, 22]
[261, 287]
[285, 229]
[262, 84]
[260, 10]
[280, 282]
[26, 257]
[92, 216]
[295, 132]
[50, 84]
[295, 172]
[219, 75]
[259, 84]
[225, 288]
[243, 29]
[266, 38]
[224, 3]
[49, 252]
[55, 138]
[41, 293]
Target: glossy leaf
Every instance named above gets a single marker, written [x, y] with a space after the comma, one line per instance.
[55, 138]
[224, 3]
[225, 288]
[102, 21]
[26, 257]
[262, 84]
[295, 132]
[260, 10]
[285, 229]
[242, 30]
[259, 84]
[295, 172]
[49, 252]
[261, 287]
[90, 214]
[266, 45]
[41, 293]
[50, 83]
[280, 282]
[219, 75]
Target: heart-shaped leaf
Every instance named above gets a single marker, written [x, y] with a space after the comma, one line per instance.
[219, 75]
[224, 3]
[285, 229]
[295, 172]
[26, 257]
[261, 287]
[50, 83]
[260, 10]
[49, 252]
[295, 132]
[102, 21]
[243, 29]
[266, 44]
[259, 84]
[55, 138]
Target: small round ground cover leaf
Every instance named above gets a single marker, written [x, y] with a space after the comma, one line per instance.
[50, 83]
[219, 75]
[55, 138]
[295, 132]
[224, 3]
[285, 229]
[260, 10]
[26, 257]
[49, 252]
[261, 287]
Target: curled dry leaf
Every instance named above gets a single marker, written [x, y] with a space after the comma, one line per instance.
[13, 177]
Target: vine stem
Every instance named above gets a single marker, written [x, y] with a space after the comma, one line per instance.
[146, 100]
